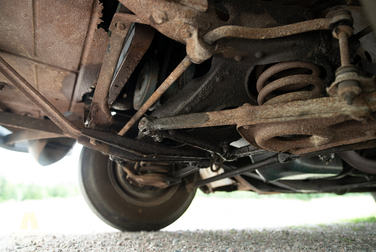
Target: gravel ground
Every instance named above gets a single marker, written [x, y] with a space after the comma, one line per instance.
[225, 225]
[345, 237]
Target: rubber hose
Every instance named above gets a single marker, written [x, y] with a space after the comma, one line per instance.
[358, 162]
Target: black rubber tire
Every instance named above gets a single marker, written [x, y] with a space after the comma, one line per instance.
[111, 207]
[374, 196]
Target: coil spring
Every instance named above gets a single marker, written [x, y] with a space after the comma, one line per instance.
[289, 80]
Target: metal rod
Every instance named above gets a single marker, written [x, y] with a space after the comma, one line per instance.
[233, 31]
[42, 103]
[344, 48]
[269, 161]
[179, 70]
[363, 32]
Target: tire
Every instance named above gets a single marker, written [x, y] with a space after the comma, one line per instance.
[374, 196]
[122, 205]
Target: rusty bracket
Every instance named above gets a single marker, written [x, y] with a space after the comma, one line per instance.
[100, 115]
[178, 21]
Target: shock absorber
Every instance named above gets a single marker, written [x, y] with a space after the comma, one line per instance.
[288, 81]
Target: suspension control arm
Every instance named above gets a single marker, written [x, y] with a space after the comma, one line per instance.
[278, 158]
[247, 114]
[260, 124]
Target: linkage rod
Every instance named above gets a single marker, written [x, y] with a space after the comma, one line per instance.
[266, 162]
[179, 70]
[233, 31]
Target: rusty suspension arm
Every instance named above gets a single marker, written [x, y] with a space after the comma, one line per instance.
[325, 113]
[30, 92]
[232, 31]
[249, 115]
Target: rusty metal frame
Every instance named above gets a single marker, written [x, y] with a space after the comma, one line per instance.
[179, 21]
[28, 123]
[29, 91]
[25, 135]
[185, 24]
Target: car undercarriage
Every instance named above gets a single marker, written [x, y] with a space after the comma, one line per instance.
[171, 96]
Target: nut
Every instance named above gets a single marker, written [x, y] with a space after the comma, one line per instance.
[343, 28]
[120, 26]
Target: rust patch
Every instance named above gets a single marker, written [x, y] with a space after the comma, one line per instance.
[60, 31]
[16, 29]
[305, 136]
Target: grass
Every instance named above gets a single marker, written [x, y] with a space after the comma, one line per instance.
[19, 192]
[364, 219]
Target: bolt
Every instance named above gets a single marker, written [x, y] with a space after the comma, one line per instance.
[259, 54]
[348, 89]
[159, 16]
[120, 26]
[238, 58]
[349, 97]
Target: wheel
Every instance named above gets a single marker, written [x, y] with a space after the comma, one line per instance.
[374, 195]
[125, 206]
